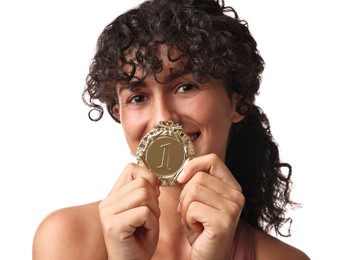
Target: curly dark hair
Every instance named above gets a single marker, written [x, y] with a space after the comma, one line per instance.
[206, 41]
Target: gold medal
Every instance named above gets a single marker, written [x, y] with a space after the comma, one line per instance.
[164, 151]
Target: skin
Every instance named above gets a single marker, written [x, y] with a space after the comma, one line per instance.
[196, 219]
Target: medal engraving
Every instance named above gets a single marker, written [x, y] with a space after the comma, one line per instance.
[163, 156]
[165, 150]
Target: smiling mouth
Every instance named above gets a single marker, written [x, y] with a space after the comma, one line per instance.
[194, 137]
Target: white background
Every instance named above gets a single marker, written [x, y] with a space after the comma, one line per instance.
[52, 156]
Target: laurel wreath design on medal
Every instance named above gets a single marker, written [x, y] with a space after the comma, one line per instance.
[165, 150]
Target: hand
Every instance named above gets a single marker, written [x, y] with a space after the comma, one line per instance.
[210, 203]
[130, 215]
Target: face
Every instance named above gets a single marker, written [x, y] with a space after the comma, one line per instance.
[204, 110]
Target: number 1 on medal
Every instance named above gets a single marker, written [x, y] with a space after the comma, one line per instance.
[165, 150]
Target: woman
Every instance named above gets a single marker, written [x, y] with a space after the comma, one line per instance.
[190, 63]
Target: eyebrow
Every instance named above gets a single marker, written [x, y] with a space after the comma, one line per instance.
[140, 83]
[132, 86]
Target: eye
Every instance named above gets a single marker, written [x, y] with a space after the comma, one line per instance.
[186, 88]
[137, 99]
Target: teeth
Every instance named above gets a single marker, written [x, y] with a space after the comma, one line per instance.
[193, 137]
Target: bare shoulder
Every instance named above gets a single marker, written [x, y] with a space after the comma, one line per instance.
[269, 247]
[70, 233]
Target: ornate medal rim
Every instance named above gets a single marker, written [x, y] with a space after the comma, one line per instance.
[166, 128]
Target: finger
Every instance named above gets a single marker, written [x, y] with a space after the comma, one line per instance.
[209, 197]
[205, 196]
[136, 193]
[210, 164]
[126, 223]
[213, 221]
[133, 171]
[128, 188]
[211, 182]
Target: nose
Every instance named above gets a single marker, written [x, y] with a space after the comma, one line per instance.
[164, 110]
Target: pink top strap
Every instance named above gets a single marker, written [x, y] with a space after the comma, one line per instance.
[243, 245]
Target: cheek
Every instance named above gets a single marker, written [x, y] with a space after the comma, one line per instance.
[133, 127]
[212, 113]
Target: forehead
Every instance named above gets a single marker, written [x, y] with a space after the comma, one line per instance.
[164, 64]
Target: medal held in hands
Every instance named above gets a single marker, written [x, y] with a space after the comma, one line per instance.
[164, 151]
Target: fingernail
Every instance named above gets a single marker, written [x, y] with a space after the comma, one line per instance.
[180, 177]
